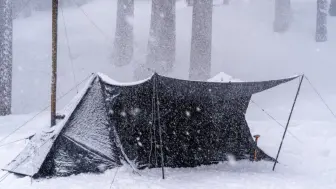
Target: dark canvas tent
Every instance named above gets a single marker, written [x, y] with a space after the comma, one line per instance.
[156, 122]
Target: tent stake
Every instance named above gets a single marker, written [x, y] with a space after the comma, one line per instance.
[289, 118]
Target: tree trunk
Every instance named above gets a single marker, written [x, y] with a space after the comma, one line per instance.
[200, 55]
[282, 15]
[332, 8]
[6, 35]
[162, 39]
[123, 42]
[321, 21]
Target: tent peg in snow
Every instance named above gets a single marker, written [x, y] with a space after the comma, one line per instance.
[154, 123]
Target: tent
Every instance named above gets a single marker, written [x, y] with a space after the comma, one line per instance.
[157, 122]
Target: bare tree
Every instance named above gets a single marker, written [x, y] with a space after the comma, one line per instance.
[189, 2]
[201, 39]
[162, 39]
[282, 16]
[123, 42]
[332, 9]
[6, 35]
[321, 21]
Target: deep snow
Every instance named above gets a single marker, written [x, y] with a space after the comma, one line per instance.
[243, 46]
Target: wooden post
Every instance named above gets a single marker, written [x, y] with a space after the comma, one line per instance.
[54, 61]
[289, 118]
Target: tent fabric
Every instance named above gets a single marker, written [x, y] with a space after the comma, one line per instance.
[85, 143]
[200, 122]
[30, 160]
[80, 143]
[187, 123]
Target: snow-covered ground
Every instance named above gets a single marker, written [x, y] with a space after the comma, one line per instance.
[306, 162]
[243, 46]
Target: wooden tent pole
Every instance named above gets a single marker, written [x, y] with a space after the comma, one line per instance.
[289, 118]
[54, 61]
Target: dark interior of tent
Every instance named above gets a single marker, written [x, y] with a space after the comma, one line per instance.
[161, 122]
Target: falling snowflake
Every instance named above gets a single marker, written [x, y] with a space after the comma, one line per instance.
[187, 113]
[138, 138]
[187, 133]
[152, 39]
[130, 20]
[139, 143]
[102, 167]
[135, 111]
[123, 114]
[198, 109]
[111, 112]
[232, 159]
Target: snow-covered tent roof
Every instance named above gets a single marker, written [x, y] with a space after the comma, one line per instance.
[223, 77]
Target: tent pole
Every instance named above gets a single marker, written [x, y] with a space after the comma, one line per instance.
[160, 129]
[289, 118]
[54, 62]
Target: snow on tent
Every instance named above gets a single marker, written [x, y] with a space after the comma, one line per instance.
[223, 77]
[157, 122]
